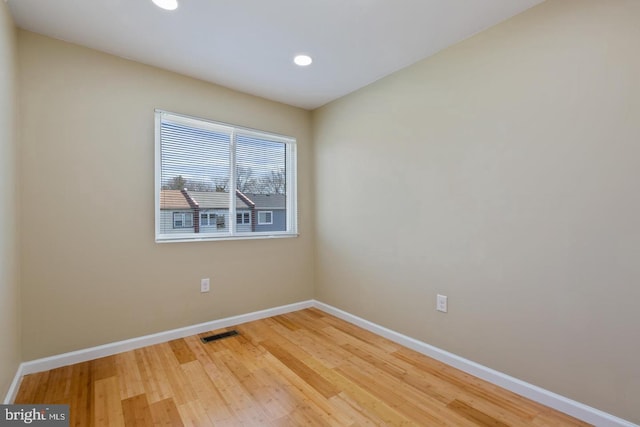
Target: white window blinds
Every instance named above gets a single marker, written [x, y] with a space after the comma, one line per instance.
[209, 173]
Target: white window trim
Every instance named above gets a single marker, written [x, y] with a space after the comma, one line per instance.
[247, 214]
[232, 234]
[184, 220]
[209, 216]
[265, 213]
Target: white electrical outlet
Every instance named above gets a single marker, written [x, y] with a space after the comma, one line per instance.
[204, 285]
[441, 303]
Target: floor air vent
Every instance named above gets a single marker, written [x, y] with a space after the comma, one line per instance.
[220, 336]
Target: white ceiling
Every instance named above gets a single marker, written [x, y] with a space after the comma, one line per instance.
[248, 45]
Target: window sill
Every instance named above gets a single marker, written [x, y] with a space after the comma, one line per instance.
[253, 236]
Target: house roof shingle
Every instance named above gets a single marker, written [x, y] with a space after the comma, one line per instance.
[268, 201]
[173, 199]
[210, 199]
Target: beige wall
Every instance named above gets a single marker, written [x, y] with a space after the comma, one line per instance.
[503, 172]
[9, 291]
[91, 272]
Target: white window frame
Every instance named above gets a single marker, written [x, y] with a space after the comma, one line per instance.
[265, 213]
[206, 215]
[232, 233]
[244, 215]
[209, 216]
[184, 216]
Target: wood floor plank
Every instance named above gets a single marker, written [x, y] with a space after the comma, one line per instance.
[104, 367]
[279, 399]
[239, 400]
[250, 353]
[180, 388]
[434, 387]
[307, 398]
[316, 381]
[550, 418]
[256, 331]
[198, 349]
[212, 401]
[107, 403]
[129, 376]
[363, 396]
[165, 413]
[300, 368]
[423, 411]
[59, 385]
[304, 321]
[193, 414]
[356, 413]
[361, 334]
[470, 385]
[284, 422]
[33, 388]
[153, 374]
[474, 415]
[182, 351]
[328, 354]
[253, 384]
[303, 416]
[80, 399]
[136, 411]
[284, 321]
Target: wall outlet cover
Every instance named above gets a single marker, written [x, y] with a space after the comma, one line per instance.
[441, 303]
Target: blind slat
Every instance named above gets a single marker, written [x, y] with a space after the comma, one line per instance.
[194, 185]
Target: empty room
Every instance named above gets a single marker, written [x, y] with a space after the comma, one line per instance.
[336, 213]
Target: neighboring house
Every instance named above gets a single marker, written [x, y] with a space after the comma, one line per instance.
[270, 213]
[176, 214]
[184, 211]
[245, 214]
[214, 211]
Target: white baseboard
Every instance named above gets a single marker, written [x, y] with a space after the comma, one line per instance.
[576, 409]
[84, 355]
[14, 387]
[537, 394]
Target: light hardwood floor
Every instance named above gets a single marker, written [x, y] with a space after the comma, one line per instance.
[302, 368]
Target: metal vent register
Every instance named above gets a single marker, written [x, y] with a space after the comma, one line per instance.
[219, 336]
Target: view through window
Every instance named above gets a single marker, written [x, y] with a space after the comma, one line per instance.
[208, 173]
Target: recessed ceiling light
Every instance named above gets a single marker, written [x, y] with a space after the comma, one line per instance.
[167, 4]
[303, 60]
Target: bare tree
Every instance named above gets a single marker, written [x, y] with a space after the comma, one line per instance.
[245, 180]
[274, 183]
[175, 183]
[179, 183]
[222, 184]
[199, 186]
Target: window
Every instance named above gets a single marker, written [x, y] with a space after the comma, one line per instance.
[212, 219]
[182, 220]
[265, 217]
[208, 171]
[209, 219]
[243, 218]
[204, 220]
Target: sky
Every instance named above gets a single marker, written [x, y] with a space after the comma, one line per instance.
[203, 155]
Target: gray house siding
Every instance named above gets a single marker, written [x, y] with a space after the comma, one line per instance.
[243, 228]
[166, 222]
[279, 220]
[209, 214]
[221, 223]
